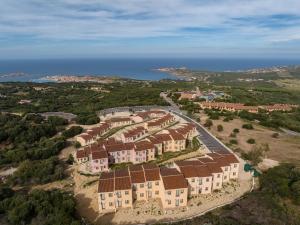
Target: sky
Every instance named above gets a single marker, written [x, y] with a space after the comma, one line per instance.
[149, 28]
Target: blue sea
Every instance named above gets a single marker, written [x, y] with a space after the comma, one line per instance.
[142, 69]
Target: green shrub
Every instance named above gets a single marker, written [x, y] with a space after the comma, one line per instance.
[248, 126]
[220, 128]
[251, 141]
[233, 142]
[73, 131]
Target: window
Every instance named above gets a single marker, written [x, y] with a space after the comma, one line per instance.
[181, 200]
[110, 204]
[235, 166]
[206, 189]
[200, 181]
[149, 184]
[217, 184]
[225, 177]
[177, 193]
[169, 192]
[102, 196]
[157, 192]
[142, 195]
[156, 183]
[119, 194]
[177, 202]
[110, 194]
[169, 202]
[141, 185]
[126, 202]
[126, 192]
[219, 176]
[226, 169]
[234, 173]
[193, 180]
[182, 191]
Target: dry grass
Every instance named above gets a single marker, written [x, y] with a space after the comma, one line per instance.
[286, 148]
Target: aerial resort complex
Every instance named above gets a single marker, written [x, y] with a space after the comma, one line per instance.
[136, 141]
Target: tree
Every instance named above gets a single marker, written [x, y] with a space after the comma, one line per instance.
[236, 130]
[248, 126]
[208, 123]
[251, 141]
[220, 128]
[73, 131]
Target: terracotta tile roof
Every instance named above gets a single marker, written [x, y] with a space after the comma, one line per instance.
[119, 119]
[174, 182]
[164, 171]
[152, 174]
[203, 171]
[135, 168]
[106, 185]
[122, 173]
[189, 163]
[214, 168]
[143, 145]
[150, 166]
[81, 154]
[107, 175]
[119, 147]
[137, 177]
[176, 136]
[161, 120]
[99, 155]
[163, 137]
[154, 140]
[189, 171]
[122, 183]
[86, 136]
[134, 132]
[147, 114]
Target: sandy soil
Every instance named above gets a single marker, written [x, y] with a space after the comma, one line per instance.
[286, 148]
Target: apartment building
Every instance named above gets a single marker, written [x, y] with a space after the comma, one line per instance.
[172, 186]
[188, 130]
[85, 139]
[91, 135]
[178, 140]
[114, 191]
[96, 159]
[160, 123]
[144, 151]
[119, 121]
[133, 134]
[151, 114]
[121, 153]
[198, 176]
[174, 189]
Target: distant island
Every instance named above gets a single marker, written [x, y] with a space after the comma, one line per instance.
[16, 74]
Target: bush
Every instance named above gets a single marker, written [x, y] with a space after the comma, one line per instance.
[236, 130]
[220, 128]
[208, 123]
[87, 119]
[275, 135]
[57, 121]
[233, 135]
[251, 141]
[248, 126]
[233, 142]
[73, 131]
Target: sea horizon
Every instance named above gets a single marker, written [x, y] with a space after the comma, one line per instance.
[133, 68]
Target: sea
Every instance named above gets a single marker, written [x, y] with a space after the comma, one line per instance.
[134, 68]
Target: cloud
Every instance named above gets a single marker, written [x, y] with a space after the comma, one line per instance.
[248, 22]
